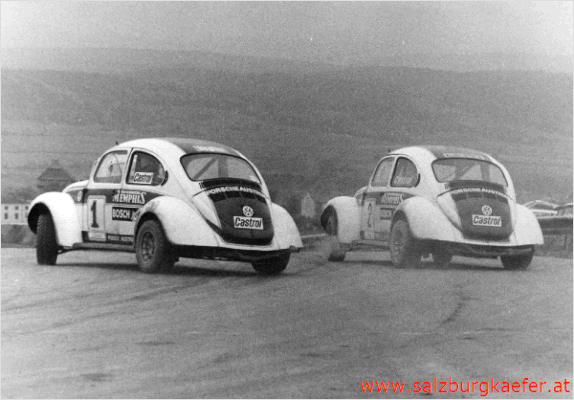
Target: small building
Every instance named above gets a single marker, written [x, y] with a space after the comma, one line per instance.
[54, 178]
[308, 207]
[15, 214]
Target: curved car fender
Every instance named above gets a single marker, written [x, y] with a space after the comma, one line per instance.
[64, 214]
[286, 232]
[182, 224]
[426, 220]
[348, 218]
[526, 227]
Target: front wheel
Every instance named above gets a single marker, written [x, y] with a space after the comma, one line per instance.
[272, 265]
[518, 262]
[403, 246]
[46, 245]
[336, 249]
[152, 248]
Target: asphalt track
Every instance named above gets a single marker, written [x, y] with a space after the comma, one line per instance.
[93, 326]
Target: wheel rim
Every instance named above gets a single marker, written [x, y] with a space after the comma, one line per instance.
[148, 246]
[398, 244]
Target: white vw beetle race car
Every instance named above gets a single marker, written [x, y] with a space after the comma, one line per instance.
[165, 199]
[435, 200]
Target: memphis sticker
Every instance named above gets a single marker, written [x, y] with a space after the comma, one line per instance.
[129, 196]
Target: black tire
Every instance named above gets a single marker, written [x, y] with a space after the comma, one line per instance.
[46, 244]
[273, 265]
[518, 262]
[403, 247]
[441, 258]
[336, 249]
[152, 248]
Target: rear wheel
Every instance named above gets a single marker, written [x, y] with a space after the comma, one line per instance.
[441, 258]
[273, 265]
[336, 249]
[404, 248]
[518, 262]
[46, 245]
[152, 248]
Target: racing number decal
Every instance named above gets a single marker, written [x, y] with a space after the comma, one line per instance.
[96, 221]
[370, 215]
[94, 211]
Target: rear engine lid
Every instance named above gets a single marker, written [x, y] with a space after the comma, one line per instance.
[237, 209]
[480, 212]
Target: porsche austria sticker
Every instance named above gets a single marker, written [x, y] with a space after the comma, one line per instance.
[247, 223]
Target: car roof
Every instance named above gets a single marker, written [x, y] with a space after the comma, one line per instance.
[187, 146]
[429, 153]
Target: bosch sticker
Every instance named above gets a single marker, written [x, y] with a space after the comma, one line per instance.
[123, 214]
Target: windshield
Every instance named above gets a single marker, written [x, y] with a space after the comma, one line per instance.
[467, 169]
[200, 167]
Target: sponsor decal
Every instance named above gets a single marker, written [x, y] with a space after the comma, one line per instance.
[210, 149]
[474, 190]
[486, 219]
[120, 239]
[247, 223]
[143, 178]
[392, 198]
[129, 196]
[483, 220]
[386, 213]
[247, 211]
[404, 180]
[123, 214]
[233, 189]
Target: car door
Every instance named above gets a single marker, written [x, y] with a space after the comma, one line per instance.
[370, 218]
[402, 185]
[100, 191]
[145, 176]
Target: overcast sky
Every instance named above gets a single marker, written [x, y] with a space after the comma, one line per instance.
[294, 29]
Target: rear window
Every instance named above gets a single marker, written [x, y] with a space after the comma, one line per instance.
[200, 167]
[467, 169]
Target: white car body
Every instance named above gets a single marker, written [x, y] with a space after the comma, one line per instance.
[469, 217]
[222, 217]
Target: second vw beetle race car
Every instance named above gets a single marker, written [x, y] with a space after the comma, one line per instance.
[435, 200]
[165, 199]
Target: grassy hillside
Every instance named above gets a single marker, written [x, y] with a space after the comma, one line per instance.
[317, 131]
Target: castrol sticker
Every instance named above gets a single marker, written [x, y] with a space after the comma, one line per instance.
[247, 223]
[483, 220]
[143, 178]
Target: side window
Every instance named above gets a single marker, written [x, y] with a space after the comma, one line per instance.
[111, 167]
[383, 172]
[405, 175]
[145, 169]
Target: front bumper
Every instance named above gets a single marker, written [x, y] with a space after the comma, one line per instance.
[222, 253]
[483, 251]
